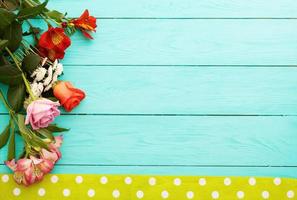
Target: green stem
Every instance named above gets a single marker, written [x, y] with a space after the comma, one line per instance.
[33, 33]
[23, 75]
[13, 121]
[44, 16]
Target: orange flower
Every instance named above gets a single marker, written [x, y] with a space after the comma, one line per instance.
[53, 43]
[85, 23]
[68, 96]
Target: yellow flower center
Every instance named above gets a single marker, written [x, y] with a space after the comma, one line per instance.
[57, 39]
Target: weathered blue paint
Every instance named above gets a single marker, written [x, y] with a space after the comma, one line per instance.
[170, 96]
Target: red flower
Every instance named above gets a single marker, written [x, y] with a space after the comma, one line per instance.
[85, 23]
[53, 43]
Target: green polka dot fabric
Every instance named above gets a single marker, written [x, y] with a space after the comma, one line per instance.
[129, 187]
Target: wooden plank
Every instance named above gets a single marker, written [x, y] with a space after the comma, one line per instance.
[177, 8]
[187, 42]
[290, 172]
[185, 90]
[185, 141]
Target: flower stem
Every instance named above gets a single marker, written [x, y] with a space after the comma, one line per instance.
[23, 75]
[33, 33]
[43, 15]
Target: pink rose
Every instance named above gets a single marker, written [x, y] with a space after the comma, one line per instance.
[42, 112]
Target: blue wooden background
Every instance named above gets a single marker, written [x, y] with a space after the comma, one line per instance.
[188, 87]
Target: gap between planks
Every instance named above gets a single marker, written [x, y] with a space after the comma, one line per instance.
[171, 115]
[186, 65]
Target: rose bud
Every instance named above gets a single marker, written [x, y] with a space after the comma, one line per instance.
[41, 112]
[68, 96]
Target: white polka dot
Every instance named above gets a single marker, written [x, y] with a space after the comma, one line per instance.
[240, 194]
[128, 180]
[91, 192]
[215, 195]
[16, 191]
[139, 194]
[277, 181]
[252, 181]
[152, 181]
[202, 181]
[290, 194]
[190, 195]
[41, 192]
[103, 180]
[54, 179]
[177, 181]
[5, 178]
[164, 194]
[66, 192]
[227, 181]
[79, 179]
[116, 193]
[265, 194]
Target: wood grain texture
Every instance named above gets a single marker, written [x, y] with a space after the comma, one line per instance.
[174, 170]
[187, 42]
[207, 57]
[177, 8]
[185, 90]
[185, 141]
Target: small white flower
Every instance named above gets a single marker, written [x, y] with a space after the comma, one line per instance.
[44, 61]
[46, 77]
[55, 77]
[49, 77]
[55, 64]
[39, 74]
[59, 69]
[48, 87]
[37, 89]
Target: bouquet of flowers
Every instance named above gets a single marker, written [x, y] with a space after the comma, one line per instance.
[31, 70]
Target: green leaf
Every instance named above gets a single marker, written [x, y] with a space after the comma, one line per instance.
[14, 34]
[52, 98]
[31, 12]
[55, 128]
[11, 145]
[3, 44]
[16, 96]
[56, 15]
[31, 62]
[6, 17]
[32, 30]
[35, 141]
[39, 144]
[10, 75]
[46, 133]
[4, 136]
[9, 4]
[21, 124]
[3, 60]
